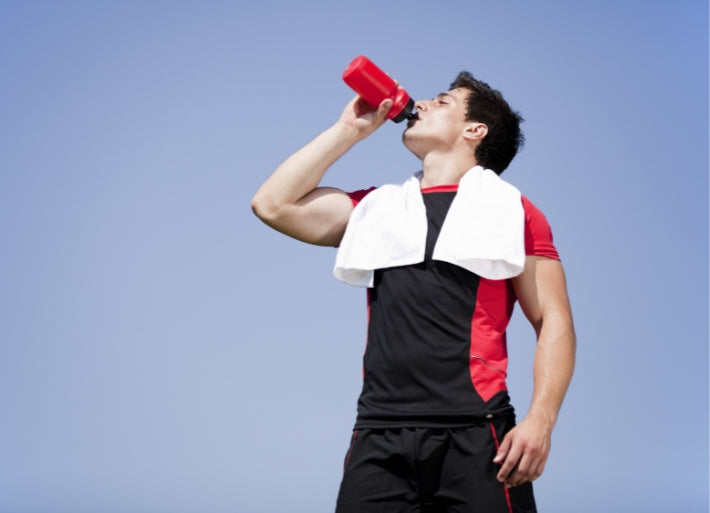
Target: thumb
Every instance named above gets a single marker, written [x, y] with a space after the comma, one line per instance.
[384, 107]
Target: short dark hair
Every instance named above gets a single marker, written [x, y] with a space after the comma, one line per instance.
[486, 105]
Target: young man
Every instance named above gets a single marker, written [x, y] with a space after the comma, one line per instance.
[445, 257]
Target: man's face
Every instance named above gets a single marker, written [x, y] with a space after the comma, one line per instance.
[440, 123]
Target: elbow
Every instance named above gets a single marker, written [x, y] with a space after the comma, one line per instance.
[269, 211]
[263, 208]
[256, 206]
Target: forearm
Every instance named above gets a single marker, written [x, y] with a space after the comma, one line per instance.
[301, 173]
[552, 368]
[524, 450]
[542, 293]
[294, 181]
[291, 200]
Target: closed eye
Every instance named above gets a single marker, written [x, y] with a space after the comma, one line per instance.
[442, 99]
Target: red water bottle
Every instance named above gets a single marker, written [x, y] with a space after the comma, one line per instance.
[374, 85]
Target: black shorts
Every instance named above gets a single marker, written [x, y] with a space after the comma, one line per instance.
[429, 470]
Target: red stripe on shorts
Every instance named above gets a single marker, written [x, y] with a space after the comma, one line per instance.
[507, 495]
[350, 450]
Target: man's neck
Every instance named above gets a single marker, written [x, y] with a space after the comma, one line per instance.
[444, 169]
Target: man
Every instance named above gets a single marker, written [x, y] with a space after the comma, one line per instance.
[445, 255]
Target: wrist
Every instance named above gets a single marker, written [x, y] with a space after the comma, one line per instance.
[347, 132]
[542, 416]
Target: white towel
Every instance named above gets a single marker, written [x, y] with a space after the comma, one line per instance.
[483, 231]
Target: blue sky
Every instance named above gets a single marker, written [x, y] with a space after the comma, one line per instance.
[162, 350]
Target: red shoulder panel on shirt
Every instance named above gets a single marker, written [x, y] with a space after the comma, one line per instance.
[538, 235]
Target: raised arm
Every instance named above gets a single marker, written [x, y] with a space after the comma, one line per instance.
[542, 293]
[291, 201]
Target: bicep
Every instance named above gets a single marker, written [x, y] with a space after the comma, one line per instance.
[541, 290]
[320, 217]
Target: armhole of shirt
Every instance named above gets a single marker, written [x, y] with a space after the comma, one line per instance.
[356, 196]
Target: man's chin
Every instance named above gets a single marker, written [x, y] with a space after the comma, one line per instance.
[406, 137]
[408, 133]
[410, 143]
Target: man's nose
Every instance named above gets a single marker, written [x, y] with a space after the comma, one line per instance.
[420, 105]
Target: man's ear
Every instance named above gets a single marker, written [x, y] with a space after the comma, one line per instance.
[475, 131]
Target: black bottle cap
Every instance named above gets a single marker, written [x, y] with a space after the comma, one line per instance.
[406, 112]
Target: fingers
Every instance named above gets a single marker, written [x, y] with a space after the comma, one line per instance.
[507, 457]
[503, 449]
[362, 119]
[360, 109]
[520, 460]
[527, 470]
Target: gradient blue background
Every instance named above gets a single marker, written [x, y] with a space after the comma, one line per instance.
[161, 350]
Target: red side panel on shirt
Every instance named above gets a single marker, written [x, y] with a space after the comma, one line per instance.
[488, 361]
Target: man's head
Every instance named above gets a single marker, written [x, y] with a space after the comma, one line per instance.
[486, 105]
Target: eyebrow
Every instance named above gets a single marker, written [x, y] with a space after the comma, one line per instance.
[447, 95]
